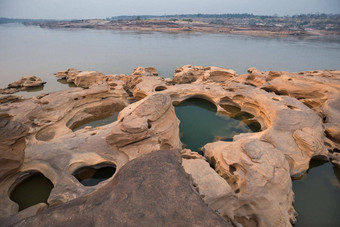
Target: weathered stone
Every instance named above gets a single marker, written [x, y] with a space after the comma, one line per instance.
[152, 190]
[140, 71]
[69, 74]
[211, 185]
[189, 74]
[146, 126]
[87, 78]
[251, 174]
[259, 175]
[9, 98]
[12, 146]
[26, 82]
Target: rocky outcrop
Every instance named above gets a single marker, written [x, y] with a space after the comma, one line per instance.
[189, 74]
[146, 126]
[259, 177]
[25, 83]
[87, 78]
[318, 90]
[246, 180]
[69, 74]
[12, 146]
[148, 71]
[148, 191]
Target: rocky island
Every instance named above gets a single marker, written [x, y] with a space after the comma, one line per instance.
[245, 181]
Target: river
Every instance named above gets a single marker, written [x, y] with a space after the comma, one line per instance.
[31, 50]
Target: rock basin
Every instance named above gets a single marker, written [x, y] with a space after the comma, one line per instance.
[251, 173]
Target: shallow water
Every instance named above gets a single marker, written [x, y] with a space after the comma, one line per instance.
[33, 190]
[98, 122]
[200, 124]
[31, 50]
[89, 176]
[317, 196]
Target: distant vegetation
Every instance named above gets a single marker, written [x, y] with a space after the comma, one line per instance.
[303, 22]
[322, 21]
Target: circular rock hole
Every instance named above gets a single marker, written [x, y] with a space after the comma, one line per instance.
[93, 175]
[160, 88]
[33, 189]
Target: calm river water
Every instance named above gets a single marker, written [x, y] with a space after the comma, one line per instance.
[30, 50]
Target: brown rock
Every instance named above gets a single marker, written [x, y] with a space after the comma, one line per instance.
[259, 175]
[146, 126]
[152, 190]
[189, 74]
[27, 82]
[140, 71]
[69, 74]
[87, 78]
[12, 146]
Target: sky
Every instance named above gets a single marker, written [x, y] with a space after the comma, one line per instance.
[83, 9]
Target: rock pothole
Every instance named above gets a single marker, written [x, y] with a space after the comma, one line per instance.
[31, 189]
[93, 175]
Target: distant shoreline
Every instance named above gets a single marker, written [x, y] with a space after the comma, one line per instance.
[300, 26]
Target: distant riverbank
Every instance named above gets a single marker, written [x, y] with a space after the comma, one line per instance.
[187, 25]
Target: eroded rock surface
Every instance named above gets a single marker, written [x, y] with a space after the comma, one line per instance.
[26, 82]
[189, 74]
[146, 126]
[69, 74]
[246, 180]
[318, 90]
[12, 146]
[152, 190]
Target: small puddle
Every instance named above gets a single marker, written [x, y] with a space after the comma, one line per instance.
[317, 196]
[200, 124]
[32, 190]
[91, 176]
[98, 122]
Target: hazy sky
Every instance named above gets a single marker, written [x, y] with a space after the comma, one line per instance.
[74, 9]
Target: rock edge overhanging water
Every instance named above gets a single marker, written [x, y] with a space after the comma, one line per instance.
[251, 175]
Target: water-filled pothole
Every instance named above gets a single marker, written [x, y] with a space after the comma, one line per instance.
[93, 175]
[200, 124]
[96, 122]
[317, 195]
[31, 191]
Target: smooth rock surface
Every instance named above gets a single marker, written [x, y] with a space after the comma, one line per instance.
[152, 190]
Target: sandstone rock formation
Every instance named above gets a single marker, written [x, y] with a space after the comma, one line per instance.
[189, 74]
[318, 90]
[69, 74]
[146, 126]
[149, 71]
[87, 78]
[26, 82]
[246, 180]
[12, 146]
[152, 190]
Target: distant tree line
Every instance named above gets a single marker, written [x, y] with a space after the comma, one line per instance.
[225, 16]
